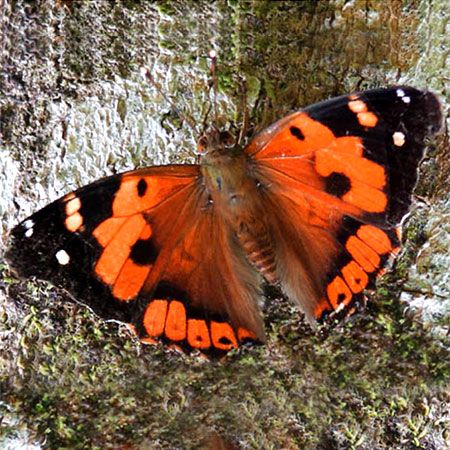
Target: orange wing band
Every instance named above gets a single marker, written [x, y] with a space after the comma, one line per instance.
[169, 319]
[367, 247]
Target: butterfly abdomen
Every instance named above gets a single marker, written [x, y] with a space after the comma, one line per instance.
[259, 250]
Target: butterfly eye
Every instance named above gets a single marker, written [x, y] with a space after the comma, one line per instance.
[227, 139]
[202, 145]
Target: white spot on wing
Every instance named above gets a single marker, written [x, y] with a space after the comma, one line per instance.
[28, 225]
[406, 99]
[399, 139]
[63, 257]
[400, 93]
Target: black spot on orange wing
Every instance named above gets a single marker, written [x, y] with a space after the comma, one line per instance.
[337, 184]
[144, 252]
[224, 340]
[296, 132]
[142, 187]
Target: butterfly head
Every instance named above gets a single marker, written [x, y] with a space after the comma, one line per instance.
[222, 160]
[215, 141]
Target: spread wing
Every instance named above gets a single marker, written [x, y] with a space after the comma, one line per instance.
[144, 248]
[338, 178]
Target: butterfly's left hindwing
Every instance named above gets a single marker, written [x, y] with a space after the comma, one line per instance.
[339, 177]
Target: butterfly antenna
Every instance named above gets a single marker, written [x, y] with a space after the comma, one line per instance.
[213, 83]
[205, 120]
[145, 71]
[244, 111]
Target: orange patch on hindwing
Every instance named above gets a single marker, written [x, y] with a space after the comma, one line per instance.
[364, 255]
[176, 323]
[321, 308]
[375, 238]
[155, 317]
[355, 277]
[244, 334]
[368, 245]
[338, 292]
[170, 319]
[198, 334]
[222, 336]
[368, 248]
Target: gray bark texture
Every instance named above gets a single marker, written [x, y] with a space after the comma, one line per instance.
[74, 108]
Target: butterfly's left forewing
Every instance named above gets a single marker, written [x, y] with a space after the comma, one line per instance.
[94, 241]
[339, 177]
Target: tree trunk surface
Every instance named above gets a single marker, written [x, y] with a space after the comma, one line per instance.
[74, 108]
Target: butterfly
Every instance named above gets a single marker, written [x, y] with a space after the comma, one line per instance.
[312, 204]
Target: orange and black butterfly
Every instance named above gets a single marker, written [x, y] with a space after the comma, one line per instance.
[180, 252]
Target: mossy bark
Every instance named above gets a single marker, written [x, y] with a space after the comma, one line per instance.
[73, 108]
